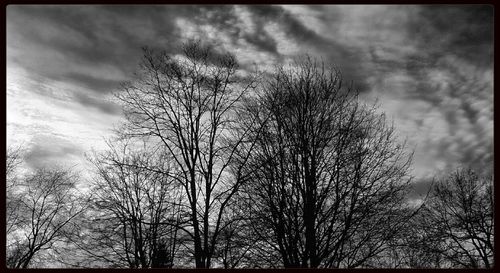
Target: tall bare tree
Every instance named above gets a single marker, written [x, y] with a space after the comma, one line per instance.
[328, 175]
[188, 103]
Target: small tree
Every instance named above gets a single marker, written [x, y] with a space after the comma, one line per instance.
[135, 214]
[14, 160]
[414, 246]
[46, 202]
[461, 214]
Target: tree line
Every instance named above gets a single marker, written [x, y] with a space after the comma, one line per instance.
[218, 167]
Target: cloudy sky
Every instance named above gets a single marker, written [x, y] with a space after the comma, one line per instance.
[430, 67]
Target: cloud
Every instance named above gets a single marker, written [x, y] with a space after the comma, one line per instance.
[430, 66]
[105, 106]
[462, 30]
[93, 83]
[46, 150]
[438, 86]
[66, 43]
[420, 188]
[236, 22]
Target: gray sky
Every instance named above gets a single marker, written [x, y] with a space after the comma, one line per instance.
[431, 68]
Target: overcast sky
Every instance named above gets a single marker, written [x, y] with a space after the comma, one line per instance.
[431, 67]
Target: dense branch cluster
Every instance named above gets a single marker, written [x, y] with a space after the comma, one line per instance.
[216, 167]
[328, 177]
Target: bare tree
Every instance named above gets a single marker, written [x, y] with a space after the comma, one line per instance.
[328, 176]
[236, 241]
[135, 215]
[414, 246]
[188, 103]
[14, 160]
[460, 215]
[46, 202]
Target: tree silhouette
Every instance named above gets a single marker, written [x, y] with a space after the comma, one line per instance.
[460, 215]
[217, 166]
[189, 105]
[135, 217]
[46, 203]
[328, 177]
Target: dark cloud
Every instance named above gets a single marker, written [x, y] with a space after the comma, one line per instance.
[331, 51]
[92, 83]
[292, 27]
[47, 150]
[438, 34]
[463, 30]
[89, 36]
[420, 188]
[225, 18]
[86, 36]
[263, 41]
[106, 107]
[451, 71]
